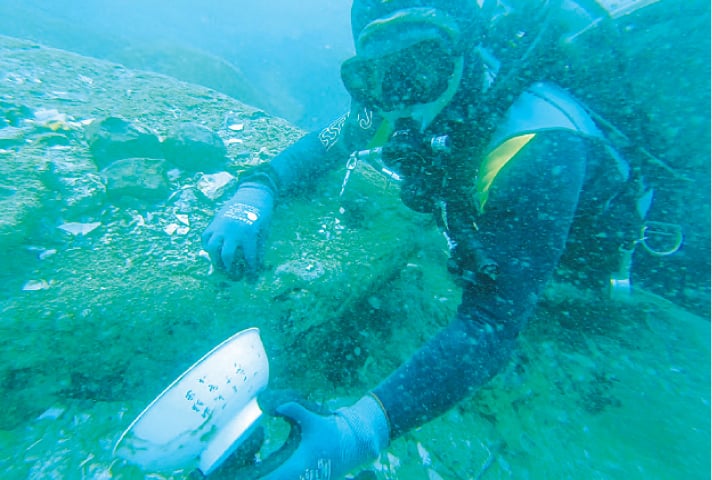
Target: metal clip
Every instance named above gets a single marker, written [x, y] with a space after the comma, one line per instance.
[350, 167]
[661, 238]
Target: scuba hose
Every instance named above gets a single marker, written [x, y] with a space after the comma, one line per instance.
[544, 42]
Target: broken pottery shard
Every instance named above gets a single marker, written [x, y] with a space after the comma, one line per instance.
[52, 413]
[35, 285]
[424, 455]
[183, 218]
[213, 186]
[77, 228]
[45, 116]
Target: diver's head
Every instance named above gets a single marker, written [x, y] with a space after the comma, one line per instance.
[409, 55]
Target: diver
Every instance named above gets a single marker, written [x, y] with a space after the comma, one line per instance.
[507, 166]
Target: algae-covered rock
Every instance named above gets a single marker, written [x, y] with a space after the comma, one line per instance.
[74, 177]
[21, 196]
[195, 148]
[114, 138]
[137, 178]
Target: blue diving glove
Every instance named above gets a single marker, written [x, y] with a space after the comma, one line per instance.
[331, 446]
[235, 238]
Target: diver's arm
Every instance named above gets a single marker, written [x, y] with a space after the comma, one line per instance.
[524, 230]
[304, 162]
[299, 165]
[235, 238]
[292, 169]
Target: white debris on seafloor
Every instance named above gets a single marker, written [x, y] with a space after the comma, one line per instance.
[433, 475]
[174, 228]
[78, 228]
[46, 253]
[174, 174]
[183, 218]
[213, 185]
[424, 455]
[52, 413]
[231, 141]
[35, 285]
[303, 268]
[44, 115]
[236, 127]
[56, 120]
[205, 255]
[41, 252]
[393, 460]
[138, 220]
[89, 81]
[388, 466]
[427, 462]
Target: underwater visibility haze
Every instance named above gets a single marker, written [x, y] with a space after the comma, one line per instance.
[124, 126]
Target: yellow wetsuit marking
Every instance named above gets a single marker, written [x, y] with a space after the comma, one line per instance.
[493, 163]
[385, 129]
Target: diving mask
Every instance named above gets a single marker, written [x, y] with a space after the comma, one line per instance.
[419, 74]
[408, 59]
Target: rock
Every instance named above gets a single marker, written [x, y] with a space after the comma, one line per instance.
[75, 178]
[114, 138]
[83, 195]
[137, 178]
[22, 198]
[185, 200]
[195, 148]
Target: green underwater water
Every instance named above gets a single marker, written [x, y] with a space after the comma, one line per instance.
[597, 389]
[607, 393]
[94, 326]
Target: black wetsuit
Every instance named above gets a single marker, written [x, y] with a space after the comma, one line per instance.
[530, 209]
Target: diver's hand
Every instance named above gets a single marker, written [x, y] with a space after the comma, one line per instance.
[235, 238]
[332, 445]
